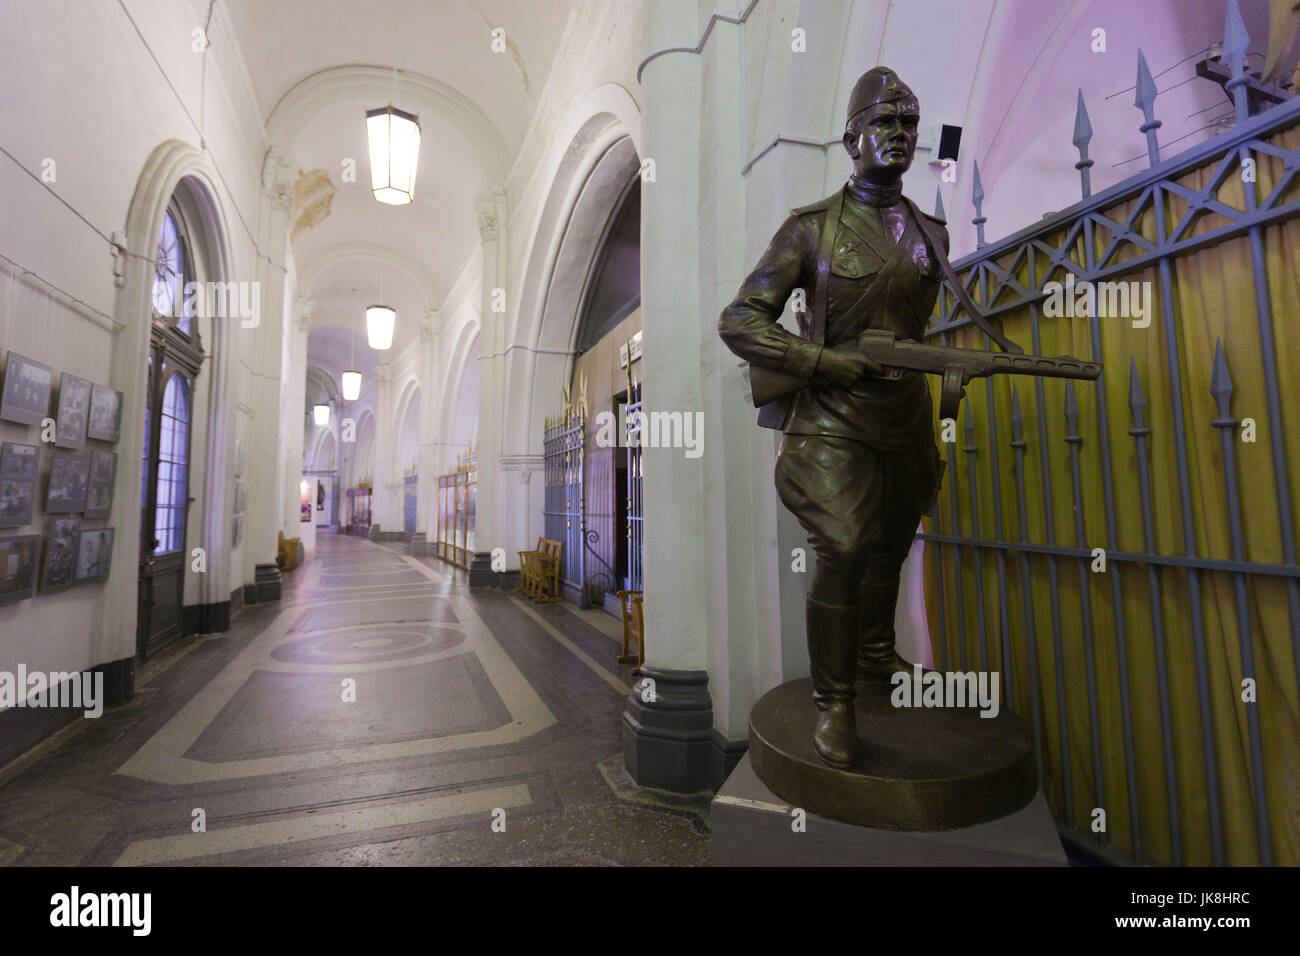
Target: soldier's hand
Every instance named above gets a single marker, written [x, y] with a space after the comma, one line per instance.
[845, 365]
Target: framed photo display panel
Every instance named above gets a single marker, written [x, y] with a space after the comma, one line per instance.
[105, 423]
[94, 555]
[74, 412]
[25, 397]
[60, 570]
[17, 483]
[69, 476]
[99, 491]
[18, 558]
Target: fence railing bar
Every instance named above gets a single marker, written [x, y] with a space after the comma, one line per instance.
[1221, 388]
[1035, 700]
[1116, 584]
[1173, 351]
[1004, 624]
[1139, 431]
[1074, 440]
[1049, 524]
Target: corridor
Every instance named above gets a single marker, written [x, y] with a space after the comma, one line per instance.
[471, 710]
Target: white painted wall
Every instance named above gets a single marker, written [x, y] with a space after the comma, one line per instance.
[82, 89]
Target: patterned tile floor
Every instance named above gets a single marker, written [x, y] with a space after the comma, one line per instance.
[380, 714]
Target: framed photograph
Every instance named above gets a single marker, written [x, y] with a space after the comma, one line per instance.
[99, 493]
[239, 498]
[17, 484]
[74, 409]
[69, 476]
[237, 532]
[26, 395]
[105, 413]
[18, 567]
[61, 555]
[94, 555]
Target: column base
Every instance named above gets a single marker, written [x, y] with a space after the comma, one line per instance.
[668, 737]
[265, 586]
[481, 574]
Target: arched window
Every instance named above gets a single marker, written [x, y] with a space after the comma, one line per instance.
[173, 466]
[169, 300]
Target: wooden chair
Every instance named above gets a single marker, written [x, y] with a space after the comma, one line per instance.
[546, 575]
[286, 556]
[527, 568]
[633, 625]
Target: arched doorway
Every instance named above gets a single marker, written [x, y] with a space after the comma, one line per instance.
[175, 358]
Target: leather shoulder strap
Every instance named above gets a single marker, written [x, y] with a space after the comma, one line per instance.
[931, 229]
[825, 249]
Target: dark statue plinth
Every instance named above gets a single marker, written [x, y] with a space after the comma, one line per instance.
[915, 768]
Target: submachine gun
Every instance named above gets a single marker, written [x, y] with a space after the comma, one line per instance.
[959, 366]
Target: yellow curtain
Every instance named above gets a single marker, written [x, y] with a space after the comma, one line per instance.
[1213, 300]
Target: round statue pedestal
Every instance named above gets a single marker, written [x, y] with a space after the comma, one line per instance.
[917, 768]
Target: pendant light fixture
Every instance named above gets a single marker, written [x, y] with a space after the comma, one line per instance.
[351, 379]
[321, 414]
[380, 320]
[394, 151]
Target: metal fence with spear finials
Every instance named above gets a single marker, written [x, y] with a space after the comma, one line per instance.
[1126, 555]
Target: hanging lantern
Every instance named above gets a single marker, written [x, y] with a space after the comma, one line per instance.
[380, 320]
[351, 379]
[394, 154]
[321, 414]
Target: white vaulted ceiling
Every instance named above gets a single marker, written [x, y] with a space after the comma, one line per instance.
[317, 65]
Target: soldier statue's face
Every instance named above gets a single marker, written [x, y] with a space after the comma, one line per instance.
[882, 140]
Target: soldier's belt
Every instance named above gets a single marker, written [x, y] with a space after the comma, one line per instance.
[959, 366]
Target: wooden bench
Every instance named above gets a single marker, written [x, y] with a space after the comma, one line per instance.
[633, 625]
[539, 571]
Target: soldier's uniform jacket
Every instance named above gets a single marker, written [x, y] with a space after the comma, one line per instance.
[883, 275]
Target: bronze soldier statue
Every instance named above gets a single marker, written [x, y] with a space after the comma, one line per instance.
[858, 463]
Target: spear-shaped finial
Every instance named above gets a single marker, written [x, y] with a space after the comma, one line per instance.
[969, 428]
[1082, 137]
[1221, 384]
[1236, 41]
[977, 196]
[1137, 399]
[1071, 413]
[1145, 101]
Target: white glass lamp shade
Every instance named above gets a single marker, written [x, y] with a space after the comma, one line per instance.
[380, 320]
[394, 154]
[351, 385]
[321, 414]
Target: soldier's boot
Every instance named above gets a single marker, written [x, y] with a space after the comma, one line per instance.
[832, 646]
[877, 658]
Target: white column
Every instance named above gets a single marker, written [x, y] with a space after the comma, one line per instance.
[266, 472]
[426, 520]
[492, 506]
[381, 502]
[295, 404]
[676, 566]
[667, 740]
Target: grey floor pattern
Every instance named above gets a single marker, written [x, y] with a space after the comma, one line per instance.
[381, 714]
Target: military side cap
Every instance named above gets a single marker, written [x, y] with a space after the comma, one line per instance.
[878, 85]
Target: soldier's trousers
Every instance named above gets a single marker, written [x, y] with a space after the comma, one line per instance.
[860, 507]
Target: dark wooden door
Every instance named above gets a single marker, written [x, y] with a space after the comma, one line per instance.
[164, 489]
